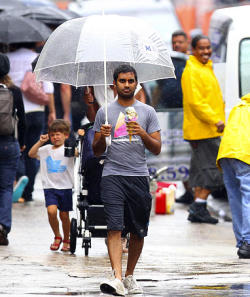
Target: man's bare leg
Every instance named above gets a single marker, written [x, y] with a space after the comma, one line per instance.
[115, 252]
[201, 193]
[134, 252]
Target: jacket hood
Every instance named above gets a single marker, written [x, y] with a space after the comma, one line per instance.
[195, 60]
[246, 98]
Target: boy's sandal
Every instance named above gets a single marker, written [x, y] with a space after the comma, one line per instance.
[55, 246]
[65, 248]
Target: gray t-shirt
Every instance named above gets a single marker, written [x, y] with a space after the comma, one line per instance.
[124, 157]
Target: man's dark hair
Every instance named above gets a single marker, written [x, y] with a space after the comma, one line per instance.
[124, 69]
[180, 33]
[197, 38]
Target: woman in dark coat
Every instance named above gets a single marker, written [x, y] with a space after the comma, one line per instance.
[10, 147]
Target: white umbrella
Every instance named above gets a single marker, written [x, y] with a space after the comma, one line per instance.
[85, 51]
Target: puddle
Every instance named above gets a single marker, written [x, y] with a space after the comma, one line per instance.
[69, 293]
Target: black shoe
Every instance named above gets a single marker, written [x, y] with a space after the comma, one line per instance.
[193, 219]
[3, 236]
[186, 198]
[199, 213]
[244, 251]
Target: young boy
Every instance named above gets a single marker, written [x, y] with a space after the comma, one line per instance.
[57, 179]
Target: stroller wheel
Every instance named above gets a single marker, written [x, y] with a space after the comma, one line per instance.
[73, 235]
[86, 244]
[86, 250]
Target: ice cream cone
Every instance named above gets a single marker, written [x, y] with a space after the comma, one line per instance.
[130, 125]
[131, 116]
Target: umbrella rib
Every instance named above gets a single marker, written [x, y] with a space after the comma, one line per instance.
[77, 75]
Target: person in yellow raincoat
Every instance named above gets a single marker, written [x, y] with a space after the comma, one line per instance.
[234, 160]
[203, 124]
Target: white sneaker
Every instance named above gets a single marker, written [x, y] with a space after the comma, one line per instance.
[131, 284]
[113, 286]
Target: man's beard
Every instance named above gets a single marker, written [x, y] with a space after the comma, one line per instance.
[126, 96]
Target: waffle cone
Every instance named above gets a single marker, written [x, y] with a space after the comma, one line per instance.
[130, 132]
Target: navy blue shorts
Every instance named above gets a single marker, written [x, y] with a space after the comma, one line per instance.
[61, 198]
[127, 203]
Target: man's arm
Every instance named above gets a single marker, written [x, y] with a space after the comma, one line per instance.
[65, 93]
[151, 141]
[92, 105]
[99, 142]
[52, 110]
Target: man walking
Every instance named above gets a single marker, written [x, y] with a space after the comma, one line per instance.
[125, 184]
[203, 125]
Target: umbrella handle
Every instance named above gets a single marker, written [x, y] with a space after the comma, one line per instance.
[108, 140]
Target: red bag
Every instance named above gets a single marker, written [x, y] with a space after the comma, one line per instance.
[33, 91]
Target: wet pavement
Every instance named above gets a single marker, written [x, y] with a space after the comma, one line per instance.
[179, 258]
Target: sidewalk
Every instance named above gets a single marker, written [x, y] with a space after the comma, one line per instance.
[179, 259]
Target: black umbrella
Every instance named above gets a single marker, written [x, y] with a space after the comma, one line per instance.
[15, 29]
[11, 4]
[49, 15]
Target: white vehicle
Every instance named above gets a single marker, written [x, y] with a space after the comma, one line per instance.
[160, 14]
[230, 38]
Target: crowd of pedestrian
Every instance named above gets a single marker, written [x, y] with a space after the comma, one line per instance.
[125, 187]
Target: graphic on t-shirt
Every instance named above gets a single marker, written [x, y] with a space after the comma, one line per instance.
[120, 127]
[54, 165]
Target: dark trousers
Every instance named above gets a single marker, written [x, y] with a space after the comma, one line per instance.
[9, 156]
[29, 166]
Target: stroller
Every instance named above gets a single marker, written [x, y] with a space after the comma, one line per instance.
[91, 222]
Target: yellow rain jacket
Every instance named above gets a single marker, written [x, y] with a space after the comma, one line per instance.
[236, 140]
[203, 105]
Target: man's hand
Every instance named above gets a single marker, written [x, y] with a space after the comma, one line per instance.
[106, 130]
[89, 99]
[220, 126]
[51, 117]
[44, 138]
[136, 128]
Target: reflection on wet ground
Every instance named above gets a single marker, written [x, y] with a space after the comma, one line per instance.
[236, 290]
[179, 259]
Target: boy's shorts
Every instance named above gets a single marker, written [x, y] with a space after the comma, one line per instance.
[127, 203]
[61, 198]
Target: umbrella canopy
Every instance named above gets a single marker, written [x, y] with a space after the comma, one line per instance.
[38, 2]
[11, 4]
[85, 51]
[49, 16]
[14, 29]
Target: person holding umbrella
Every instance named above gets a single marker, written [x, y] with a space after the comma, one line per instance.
[125, 181]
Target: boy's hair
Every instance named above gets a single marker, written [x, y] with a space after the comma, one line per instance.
[59, 126]
[125, 68]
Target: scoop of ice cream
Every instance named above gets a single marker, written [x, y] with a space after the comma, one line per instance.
[131, 114]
